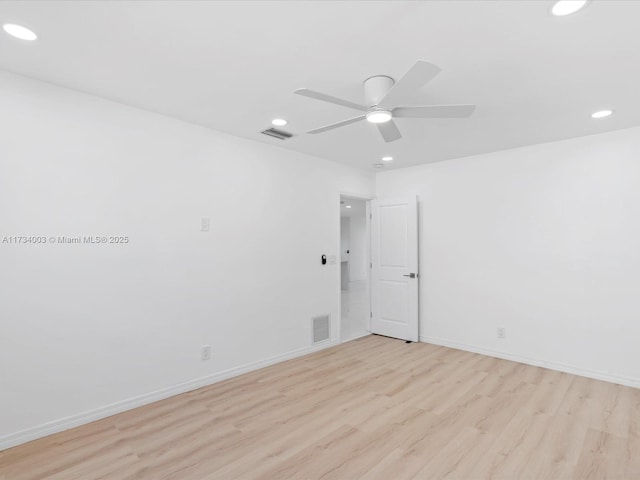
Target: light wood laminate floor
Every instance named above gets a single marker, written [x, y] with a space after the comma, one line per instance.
[374, 408]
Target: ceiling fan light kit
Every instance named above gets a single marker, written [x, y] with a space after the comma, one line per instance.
[382, 97]
[378, 116]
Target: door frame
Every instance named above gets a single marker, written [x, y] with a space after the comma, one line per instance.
[367, 199]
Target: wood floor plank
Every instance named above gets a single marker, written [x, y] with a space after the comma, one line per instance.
[458, 457]
[632, 460]
[373, 408]
[513, 447]
[602, 457]
[397, 464]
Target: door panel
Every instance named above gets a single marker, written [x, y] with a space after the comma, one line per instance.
[393, 236]
[394, 255]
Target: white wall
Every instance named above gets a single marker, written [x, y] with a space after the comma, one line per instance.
[358, 253]
[345, 237]
[87, 330]
[344, 256]
[543, 241]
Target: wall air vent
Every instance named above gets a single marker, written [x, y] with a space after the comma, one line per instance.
[274, 132]
[320, 328]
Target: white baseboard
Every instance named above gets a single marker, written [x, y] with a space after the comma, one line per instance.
[561, 367]
[49, 428]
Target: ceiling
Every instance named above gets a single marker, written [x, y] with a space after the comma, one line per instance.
[358, 207]
[233, 66]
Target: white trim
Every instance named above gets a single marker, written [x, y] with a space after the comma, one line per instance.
[357, 196]
[49, 428]
[367, 199]
[368, 270]
[561, 367]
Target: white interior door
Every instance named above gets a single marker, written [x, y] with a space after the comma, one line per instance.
[394, 268]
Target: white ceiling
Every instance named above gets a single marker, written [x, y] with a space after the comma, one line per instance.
[232, 66]
[358, 207]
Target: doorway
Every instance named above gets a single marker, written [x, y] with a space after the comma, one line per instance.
[354, 268]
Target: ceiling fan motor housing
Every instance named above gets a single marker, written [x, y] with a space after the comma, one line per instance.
[375, 88]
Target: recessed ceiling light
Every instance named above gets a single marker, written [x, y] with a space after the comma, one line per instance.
[348, 206]
[387, 159]
[379, 116]
[601, 114]
[567, 7]
[279, 122]
[18, 31]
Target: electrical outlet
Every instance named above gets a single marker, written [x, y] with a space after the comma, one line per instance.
[204, 224]
[206, 352]
[502, 333]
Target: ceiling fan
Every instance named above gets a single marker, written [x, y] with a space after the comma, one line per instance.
[383, 96]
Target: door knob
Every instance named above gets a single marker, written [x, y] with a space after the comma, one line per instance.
[411, 275]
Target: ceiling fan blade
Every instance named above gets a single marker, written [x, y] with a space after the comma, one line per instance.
[434, 111]
[305, 92]
[337, 125]
[416, 77]
[389, 131]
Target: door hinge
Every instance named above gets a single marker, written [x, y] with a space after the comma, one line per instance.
[370, 314]
[370, 264]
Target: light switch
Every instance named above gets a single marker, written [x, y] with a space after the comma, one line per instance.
[204, 224]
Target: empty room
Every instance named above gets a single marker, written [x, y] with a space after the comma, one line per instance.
[319, 240]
